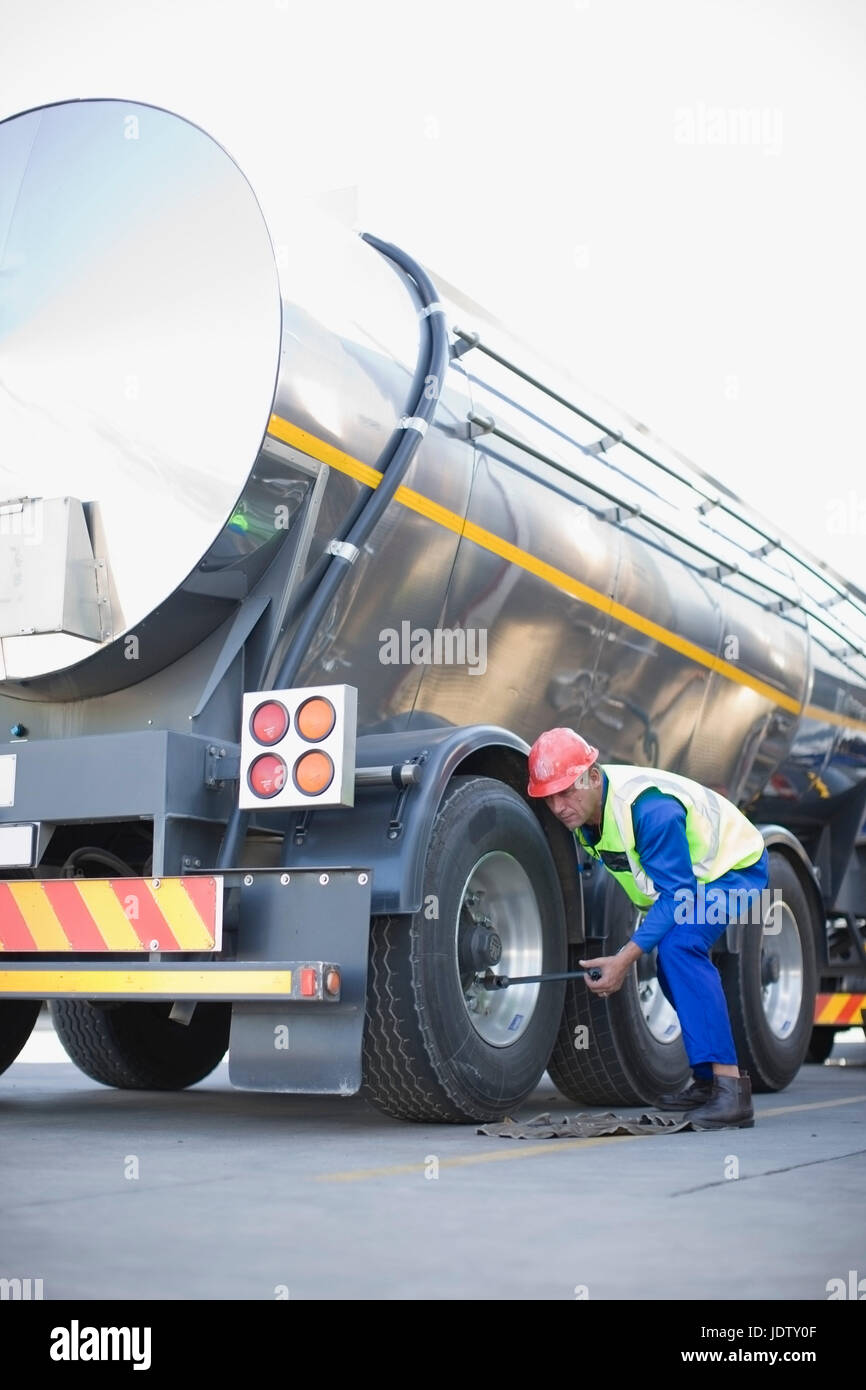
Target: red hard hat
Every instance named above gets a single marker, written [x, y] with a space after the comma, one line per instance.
[556, 760]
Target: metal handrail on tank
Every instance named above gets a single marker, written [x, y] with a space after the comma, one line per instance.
[723, 568]
[710, 500]
[486, 425]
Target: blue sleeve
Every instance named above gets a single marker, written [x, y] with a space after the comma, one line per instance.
[660, 836]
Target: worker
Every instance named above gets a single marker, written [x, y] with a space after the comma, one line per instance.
[679, 850]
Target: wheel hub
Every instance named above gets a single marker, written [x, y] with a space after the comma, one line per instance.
[480, 948]
[499, 924]
[781, 970]
[770, 969]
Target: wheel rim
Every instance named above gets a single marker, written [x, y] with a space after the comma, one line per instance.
[781, 969]
[659, 1015]
[498, 896]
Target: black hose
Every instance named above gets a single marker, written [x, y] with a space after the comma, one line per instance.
[423, 407]
[312, 579]
[394, 461]
[92, 854]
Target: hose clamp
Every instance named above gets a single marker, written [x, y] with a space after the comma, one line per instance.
[414, 422]
[345, 550]
[434, 308]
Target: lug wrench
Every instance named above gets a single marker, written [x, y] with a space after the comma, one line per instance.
[490, 981]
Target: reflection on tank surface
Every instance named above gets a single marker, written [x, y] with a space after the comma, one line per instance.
[216, 430]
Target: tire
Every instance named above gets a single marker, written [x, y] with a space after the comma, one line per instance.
[772, 1020]
[17, 1021]
[820, 1044]
[436, 1046]
[137, 1047]
[627, 1049]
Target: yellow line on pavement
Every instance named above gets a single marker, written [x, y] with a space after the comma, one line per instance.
[549, 1146]
[464, 1160]
[809, 1105]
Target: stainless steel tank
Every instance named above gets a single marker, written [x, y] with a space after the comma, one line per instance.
[143, 335]
[176, 375]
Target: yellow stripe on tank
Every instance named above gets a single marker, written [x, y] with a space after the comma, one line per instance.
[362, 472]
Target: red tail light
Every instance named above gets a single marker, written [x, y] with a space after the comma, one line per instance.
[270, 722]
[267, 775]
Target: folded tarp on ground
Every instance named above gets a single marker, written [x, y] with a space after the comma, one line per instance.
[586, 1126]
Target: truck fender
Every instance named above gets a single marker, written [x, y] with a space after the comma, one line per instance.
[389, 830]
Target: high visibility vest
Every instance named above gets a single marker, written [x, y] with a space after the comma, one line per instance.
[720, 837]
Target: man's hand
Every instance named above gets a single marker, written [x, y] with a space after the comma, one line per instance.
[613, 970]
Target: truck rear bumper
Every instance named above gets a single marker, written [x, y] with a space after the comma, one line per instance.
[287, 981]
[292, 940]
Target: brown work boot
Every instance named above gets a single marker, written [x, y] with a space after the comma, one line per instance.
[729, 1107]
[698, 1091]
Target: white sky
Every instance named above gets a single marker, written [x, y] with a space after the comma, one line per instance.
[669, 196]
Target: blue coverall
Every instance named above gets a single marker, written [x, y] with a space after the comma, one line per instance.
[687, 976]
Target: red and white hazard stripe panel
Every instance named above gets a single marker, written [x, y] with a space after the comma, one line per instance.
[840, 1009]
[111, 914]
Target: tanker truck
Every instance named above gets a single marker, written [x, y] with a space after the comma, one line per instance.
[300, 550]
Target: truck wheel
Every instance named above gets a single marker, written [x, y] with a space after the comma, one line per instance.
[770, 984]
[437, 1047]
[820, 1044]
[627, 1049]
[137, 1047]
[17, 1021]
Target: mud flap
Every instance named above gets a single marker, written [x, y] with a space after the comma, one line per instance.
[313, 1046]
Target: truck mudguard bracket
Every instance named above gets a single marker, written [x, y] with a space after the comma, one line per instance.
[364, 835]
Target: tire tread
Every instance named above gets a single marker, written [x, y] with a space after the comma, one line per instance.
[403, 1072]
[96, 1048]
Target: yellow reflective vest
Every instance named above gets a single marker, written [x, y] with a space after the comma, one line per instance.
[719, 835]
